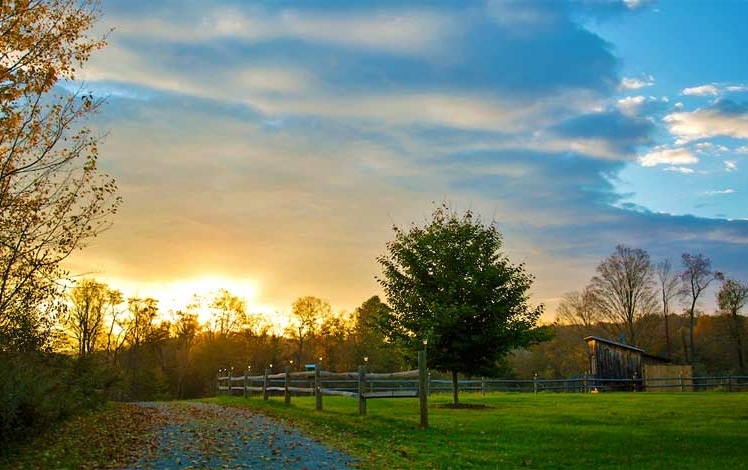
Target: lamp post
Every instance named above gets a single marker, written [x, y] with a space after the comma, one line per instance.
[423, 385]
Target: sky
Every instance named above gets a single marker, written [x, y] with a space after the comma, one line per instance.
[270, 147]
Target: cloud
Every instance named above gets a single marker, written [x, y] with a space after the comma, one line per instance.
[714, 89]
[394, 31]
[526, 18]
[641, 105]
[637, 4]
[629, 83]
[702, 90]
[620, 132]
[680, 169]
[730, 165]
[668, 156]
[631, 104]
[737, 88]
[710, 148]
[724, 118]
[719, 192]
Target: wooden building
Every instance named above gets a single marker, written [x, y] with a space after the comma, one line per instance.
[616, 365]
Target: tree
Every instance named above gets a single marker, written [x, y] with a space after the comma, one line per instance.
[185, 327]
[139, 326]
[229, 313]
[669, 288]
[53, 198]
[449, 283]
[90, 301]
[731, 298]
[578, 308]
[308, 312]
[696, 276]
[369, 340]
[622, 288]
[116, 334]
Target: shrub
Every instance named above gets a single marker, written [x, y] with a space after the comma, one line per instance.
[37, 389]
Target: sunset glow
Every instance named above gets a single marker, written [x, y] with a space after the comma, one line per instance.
[285, 150]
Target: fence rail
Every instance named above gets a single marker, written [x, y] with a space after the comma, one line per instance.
[361, 385]
[404, 383]
[419, 384]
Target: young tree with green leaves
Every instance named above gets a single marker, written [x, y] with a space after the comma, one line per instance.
[449, 283]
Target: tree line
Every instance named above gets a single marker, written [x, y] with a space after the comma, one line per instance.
[633, 300]
[153, 354]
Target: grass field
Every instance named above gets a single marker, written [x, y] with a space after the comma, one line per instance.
[592, 431]
[617, 430]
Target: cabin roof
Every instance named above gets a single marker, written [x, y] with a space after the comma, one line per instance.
[626, 346]
[613, 343]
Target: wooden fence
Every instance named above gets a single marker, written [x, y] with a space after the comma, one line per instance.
[364, 385]
[585, 384]
[361, 385]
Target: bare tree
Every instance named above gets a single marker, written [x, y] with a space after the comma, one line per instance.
[731, 298]
[116, 334]
[229, 313]
[90, 302]
[696, 276]
[623, 288]
[670, 288]
[578, 308]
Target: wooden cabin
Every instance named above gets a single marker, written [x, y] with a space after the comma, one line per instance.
[611, 363]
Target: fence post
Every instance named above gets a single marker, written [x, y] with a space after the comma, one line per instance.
[680, 377]
[423, 388]
[287, 392]
[265, 380]
[361, 390]
[729, 382]
[535, 383]
[246, 378]
[318, 386]
[584, 383]
[483, 386]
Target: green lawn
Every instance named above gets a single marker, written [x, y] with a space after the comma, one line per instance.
[617, 430]
[593, 431]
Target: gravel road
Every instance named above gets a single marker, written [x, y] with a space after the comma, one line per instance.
[204, 435]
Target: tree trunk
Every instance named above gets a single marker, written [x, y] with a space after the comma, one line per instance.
[739, 342]
[691, 345]
[455, 389]
[667, 337]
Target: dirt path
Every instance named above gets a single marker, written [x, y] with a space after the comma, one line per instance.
[203, 435]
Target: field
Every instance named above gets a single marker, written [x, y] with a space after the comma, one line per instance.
[621, 430]
[547, 430]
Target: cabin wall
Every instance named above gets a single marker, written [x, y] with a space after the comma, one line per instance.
[610, 362]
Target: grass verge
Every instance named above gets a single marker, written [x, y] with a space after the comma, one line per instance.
[623, 430]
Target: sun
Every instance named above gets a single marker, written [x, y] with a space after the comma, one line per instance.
[181, 293]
